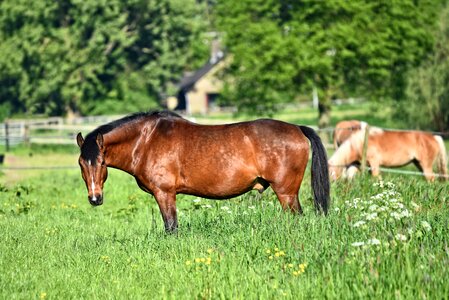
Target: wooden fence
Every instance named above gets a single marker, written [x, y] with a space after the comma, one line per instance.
[48, 131]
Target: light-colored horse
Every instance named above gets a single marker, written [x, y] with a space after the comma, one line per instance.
[391, 149]
[344, 129]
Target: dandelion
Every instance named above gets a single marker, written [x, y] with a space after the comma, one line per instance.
[290, 265]
[197, 260]
[426, 225]
[43, 295]
[268, 251]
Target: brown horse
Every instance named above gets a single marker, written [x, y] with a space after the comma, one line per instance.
[169, 155]
[391, 149]
[344, 129]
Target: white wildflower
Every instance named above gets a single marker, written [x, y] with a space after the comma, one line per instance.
[396, 215]
[358, 244]
[371, 216]
[196, 200]
[251, 207]
[401, 237]
[359, 223]
[373, 207]
[390, 185]
[426, 225]
[225, 208]
[374, 241]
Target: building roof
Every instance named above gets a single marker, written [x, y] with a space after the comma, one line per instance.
[187, 82]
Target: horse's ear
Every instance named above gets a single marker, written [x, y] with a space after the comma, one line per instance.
[100, 140]
[80, 140]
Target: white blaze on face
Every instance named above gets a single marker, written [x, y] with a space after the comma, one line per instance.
[92, 184]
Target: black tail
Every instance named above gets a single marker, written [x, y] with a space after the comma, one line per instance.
[320, 172]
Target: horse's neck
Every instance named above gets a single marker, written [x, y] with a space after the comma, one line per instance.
[120, 147]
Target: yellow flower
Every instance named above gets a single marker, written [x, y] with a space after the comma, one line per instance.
[290, 265]
[295, 273]
[281, 253]
[268, 251]
[188, 263]
[197, 260]
[43, 295]
[276, 249]
[270, 257]
[210, 250]
[202, 259]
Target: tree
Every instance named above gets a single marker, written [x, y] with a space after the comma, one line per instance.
[427, 95]
[285, 48]
[94, 56]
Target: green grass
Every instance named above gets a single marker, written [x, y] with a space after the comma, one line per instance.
[56, 246]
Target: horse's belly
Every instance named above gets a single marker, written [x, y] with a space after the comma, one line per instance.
[396, 158]
[219, 186]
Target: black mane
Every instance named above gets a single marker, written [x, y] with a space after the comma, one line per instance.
[90, 151]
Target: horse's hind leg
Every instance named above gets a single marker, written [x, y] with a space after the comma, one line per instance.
[426, 167]
[288, 195]
[290, 202]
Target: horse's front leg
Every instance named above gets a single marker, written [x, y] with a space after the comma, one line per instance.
[167, 206]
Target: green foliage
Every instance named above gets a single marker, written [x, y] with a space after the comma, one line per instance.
[427, 102]
[245, 248]
[75, 55]
[282, 49]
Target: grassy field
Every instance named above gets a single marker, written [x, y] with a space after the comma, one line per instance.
[382, 239]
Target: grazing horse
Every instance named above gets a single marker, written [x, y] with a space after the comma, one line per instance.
[168, 155]
[391, 149]
[344, 130]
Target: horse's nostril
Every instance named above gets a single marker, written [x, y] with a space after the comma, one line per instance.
[96, 199]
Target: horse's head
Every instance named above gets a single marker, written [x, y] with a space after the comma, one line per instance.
[334, 170]
[93, 166]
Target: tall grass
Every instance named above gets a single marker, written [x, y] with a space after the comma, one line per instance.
[56, 246]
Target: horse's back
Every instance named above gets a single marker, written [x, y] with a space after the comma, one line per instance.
[395, 148]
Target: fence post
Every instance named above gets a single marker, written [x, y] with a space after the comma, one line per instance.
[6, 135]
[364, 149]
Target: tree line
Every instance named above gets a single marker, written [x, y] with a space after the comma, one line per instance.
[93, 57]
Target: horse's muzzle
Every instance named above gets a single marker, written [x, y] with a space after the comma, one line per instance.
[96, 200]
